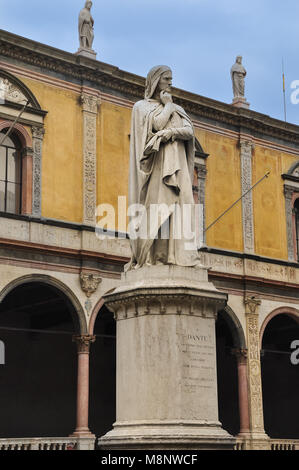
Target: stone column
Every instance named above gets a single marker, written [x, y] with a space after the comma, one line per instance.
[241, 356]
[166, 361]
[259, 439]
[83, 344]
[201, 170]
[37, 143]
[90, 110]
[246, 147]
[288, 193]
[27, 172]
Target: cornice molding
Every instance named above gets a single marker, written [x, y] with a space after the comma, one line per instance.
[111, 77]
[288, 177]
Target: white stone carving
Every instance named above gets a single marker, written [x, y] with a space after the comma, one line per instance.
[89, 282]
[238, 74]
[166, 352]
[86, 32]
[37, 141]
[90, 107]
[10, 92]
[247, 205]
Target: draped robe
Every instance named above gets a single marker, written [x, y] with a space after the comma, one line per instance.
[85, 27]
[238, 74]
[160, 173]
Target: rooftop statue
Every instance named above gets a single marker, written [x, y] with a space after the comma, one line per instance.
[86, 22]
[161, 176]
[238, 74]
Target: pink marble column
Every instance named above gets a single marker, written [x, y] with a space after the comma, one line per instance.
[241, 355]
[83, 345]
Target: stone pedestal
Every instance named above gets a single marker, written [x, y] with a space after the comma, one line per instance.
[166, 361]
[240, 102]
[85, 52]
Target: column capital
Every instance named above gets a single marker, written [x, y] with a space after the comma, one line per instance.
[38, 132]
[246, 145]
[201, 169]
[27, 152]
[83, 342]
[240, 354]
[251, 305]
[288, 191]
[90, 103]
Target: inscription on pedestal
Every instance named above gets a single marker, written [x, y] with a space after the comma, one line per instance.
[198, 352]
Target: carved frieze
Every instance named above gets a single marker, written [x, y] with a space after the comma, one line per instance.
[110, 77]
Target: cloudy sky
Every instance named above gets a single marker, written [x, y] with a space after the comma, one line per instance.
[199, 39]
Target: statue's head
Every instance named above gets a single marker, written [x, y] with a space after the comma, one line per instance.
[239, 59]
[88, 4]
[158, 79]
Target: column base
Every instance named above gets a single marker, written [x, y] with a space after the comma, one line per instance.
[85, 440]
[167, 436]
[166, 352]
[254, 441]
[82, 434]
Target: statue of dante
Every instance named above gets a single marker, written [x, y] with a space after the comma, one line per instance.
[86, 22]
[238, 74]
[161, 174]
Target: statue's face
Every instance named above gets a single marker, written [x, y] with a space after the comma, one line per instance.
[165, 82]
[88, 5]
[239, 60]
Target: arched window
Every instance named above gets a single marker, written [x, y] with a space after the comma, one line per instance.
[296, 211]
[10, 175]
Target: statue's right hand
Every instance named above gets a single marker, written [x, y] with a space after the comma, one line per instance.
[165, 134]
[165, 97]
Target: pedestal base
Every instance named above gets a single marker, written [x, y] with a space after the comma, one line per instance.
[166, 361]
[254, 441]
[167, 436]
[89, 53]
[240, 102]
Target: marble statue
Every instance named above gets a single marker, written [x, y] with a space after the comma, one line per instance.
[86, 22]
[161, 174]
[238, 74]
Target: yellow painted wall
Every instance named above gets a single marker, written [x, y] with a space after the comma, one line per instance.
[62, 183]
[223, 188]
[269, 202]
[62, 152]
[113, 146]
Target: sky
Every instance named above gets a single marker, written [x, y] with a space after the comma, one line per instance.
[198, 39]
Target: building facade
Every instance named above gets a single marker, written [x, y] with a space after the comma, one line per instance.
[66, 157]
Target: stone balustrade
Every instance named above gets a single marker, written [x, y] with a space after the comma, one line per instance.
[53, 443]
[47, 443]
[284, 444]
[274, 444]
